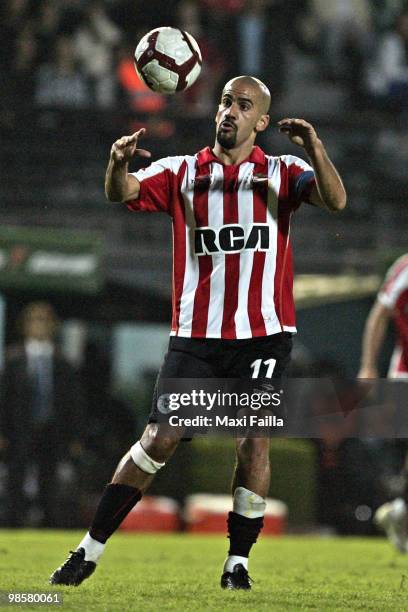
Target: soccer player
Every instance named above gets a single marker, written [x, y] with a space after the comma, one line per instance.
[391, 303]
[231, 207]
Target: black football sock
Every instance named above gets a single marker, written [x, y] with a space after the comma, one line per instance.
[243, 533]
[116, 502]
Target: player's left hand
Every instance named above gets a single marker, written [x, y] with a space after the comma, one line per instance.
[299, 131]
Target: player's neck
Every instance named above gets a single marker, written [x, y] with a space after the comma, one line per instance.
[235, 156]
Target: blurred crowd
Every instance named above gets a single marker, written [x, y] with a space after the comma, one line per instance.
[61, 430]
[79, 53]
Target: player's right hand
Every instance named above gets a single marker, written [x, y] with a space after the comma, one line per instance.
[126, 147]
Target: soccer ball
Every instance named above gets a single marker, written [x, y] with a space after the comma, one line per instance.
[168, 60]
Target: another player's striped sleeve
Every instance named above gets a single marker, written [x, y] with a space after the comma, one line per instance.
[156, 186]
[301, 179]
[395, 283]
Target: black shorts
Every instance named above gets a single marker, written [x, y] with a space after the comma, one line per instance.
[253, 358]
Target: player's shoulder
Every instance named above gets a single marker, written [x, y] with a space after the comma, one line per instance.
[291, 161]
[399, 267]
[401, 261]
[164, 165]
[395, 282]
[172, 162]
[178, 163]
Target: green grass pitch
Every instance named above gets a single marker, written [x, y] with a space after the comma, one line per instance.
[181, 572]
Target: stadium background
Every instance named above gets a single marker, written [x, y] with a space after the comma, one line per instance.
[69, 90]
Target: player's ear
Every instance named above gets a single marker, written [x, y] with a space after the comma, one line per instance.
[262, 123]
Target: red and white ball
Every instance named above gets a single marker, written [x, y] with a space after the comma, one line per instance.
[168, 60]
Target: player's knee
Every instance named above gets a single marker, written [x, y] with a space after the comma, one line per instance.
[160, 442]
[153, 449]
[253, 449]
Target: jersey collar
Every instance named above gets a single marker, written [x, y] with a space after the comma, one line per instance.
[206, 156]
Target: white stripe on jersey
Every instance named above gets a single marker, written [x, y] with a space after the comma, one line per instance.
[166, 163]
[390, 294]
[217, 281]
[246, 258]
[272, 324]
[191, 273]
[290, 160]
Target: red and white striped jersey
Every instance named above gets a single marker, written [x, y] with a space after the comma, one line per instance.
[394, 296]
[232, 259]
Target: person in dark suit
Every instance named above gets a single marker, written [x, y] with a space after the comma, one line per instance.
[41, 409]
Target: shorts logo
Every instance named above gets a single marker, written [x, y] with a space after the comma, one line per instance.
[164, 403]
[232, 238]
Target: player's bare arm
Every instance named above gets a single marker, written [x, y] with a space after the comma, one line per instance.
[119, 184]
[329, 192]
[373, 338]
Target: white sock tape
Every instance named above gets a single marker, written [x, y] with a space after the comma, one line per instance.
[248, 504]
[93, 548]
[232, 560]
[143, 461]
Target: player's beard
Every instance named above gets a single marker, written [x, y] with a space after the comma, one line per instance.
[227, 140]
